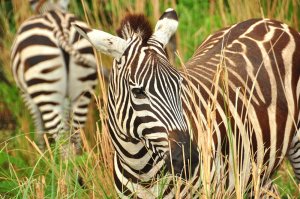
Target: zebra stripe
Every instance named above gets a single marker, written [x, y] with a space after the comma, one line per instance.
[236, 103]
[56, 71]
[268, 76]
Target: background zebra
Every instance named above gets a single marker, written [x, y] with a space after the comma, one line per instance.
[246, 76]
[55, 70]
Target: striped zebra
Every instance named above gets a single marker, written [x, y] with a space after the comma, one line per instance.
[236, 101]
[55, 69]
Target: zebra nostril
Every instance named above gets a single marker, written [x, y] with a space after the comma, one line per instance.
[183, 157]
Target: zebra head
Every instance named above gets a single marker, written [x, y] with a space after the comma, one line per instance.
[145, 91]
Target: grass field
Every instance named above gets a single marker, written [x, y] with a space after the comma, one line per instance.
[25, 172]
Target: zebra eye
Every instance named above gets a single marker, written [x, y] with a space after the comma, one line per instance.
[139, 93]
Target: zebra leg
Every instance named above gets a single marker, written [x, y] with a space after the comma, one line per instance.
[294, 152]
[64, 145]
[64, 132]
[79, 116]
[36, 115]
[83, 80]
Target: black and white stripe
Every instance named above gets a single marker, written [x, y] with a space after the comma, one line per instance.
[55, 69]
[260, 58]
[236, 102]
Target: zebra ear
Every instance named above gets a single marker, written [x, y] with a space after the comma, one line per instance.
[102, 41]
[166, 26]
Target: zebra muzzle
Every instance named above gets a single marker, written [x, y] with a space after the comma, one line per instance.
[183, 156]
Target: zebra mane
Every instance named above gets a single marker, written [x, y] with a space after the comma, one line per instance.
[135, 24]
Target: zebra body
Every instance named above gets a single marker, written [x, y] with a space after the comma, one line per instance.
[257, 97]
[236, 102]
[55, 69]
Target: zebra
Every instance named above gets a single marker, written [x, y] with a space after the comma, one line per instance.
[56, 72]
[246, 76]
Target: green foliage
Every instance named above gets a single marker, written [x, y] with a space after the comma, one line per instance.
[194, 24]
[20, 179]
[6, 15]
[9, 179]
[9, 94]
[286, 181]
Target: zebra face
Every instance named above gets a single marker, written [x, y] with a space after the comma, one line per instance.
[145, 107]
[151, 89]
[146, 91]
